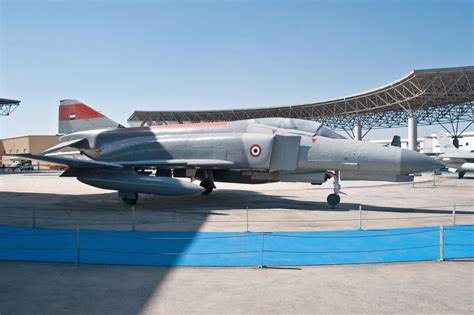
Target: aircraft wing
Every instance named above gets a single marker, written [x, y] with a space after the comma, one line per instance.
[82, 163]
[78, 163]
[178, 162]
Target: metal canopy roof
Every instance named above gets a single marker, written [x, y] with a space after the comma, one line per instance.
[419, 90]
[7, 106]
[8, 101]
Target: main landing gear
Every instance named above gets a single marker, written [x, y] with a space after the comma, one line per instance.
[461, 174]
[208, 183]
[334, 199]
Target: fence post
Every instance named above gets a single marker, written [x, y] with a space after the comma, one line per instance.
[263, 250]
[413, 182]
[441, 243]
[454, 214]
[133, 218]
[78, 247]
[434, 179]
[34, 218]
[248, 219]
[360, 217]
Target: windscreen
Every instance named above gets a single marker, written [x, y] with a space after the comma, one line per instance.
[312, 127]
[290, 123]
[328, 133]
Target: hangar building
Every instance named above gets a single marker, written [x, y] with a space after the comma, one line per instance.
[27, 144]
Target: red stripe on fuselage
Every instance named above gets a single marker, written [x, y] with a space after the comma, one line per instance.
[208, 124]
[80, 111]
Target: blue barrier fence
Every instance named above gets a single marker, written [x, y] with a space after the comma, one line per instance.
[236, 249]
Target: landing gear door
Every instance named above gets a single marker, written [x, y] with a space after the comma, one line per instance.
[285, 153]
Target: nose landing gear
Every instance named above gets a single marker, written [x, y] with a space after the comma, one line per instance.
[334, 199]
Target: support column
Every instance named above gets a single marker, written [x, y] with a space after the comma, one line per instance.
[357, 130]
[412, 131]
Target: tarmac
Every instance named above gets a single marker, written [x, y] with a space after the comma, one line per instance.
[408, 288]
[45, 200]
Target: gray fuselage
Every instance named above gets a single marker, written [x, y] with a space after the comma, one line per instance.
[268, 149]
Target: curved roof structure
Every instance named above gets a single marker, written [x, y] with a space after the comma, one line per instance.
[419, 90]
[7, 106]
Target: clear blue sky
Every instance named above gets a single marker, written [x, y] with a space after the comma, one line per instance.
[119, 56]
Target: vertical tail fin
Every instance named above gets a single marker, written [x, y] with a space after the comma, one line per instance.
[76, 116]
[445, 144]
[396, 142]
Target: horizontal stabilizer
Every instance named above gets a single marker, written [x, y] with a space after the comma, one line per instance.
[63, 145]
[68, 153]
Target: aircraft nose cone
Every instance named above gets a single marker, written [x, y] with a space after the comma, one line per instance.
[414, 162]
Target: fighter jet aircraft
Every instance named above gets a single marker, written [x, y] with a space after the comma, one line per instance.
[253, 151]
[459, 160]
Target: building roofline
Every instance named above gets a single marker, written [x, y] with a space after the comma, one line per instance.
[28, 136]
[413, 76]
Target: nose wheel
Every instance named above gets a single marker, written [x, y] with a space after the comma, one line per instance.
[334, 199]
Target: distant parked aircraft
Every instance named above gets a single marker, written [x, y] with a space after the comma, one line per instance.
[461, 161]
[21, 165]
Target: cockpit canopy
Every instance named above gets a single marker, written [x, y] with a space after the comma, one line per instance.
[309, 126]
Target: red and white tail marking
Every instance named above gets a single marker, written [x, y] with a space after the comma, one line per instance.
[76, 116]
[75, 110]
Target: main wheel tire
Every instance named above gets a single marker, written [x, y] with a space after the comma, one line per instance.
[131, 201]
[208, 186]
[333, 199]
[461, 174]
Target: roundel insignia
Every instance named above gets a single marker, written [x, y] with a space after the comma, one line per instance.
[255, 150]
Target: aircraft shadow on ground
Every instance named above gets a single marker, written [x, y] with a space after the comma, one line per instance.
[195, 208]
[49, 286]
[55, 288]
